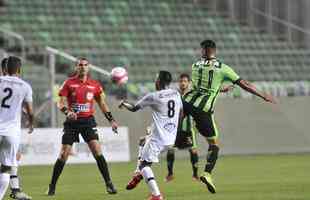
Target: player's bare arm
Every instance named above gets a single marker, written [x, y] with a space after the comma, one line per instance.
[129, 106]
[228, 88]
[249, 87]
[30, 115]
[106, 111]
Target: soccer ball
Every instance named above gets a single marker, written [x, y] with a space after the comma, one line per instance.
[119, 75]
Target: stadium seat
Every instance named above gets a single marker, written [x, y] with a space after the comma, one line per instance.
[167, 33]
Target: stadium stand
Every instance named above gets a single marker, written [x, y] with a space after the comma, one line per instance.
[151, 35]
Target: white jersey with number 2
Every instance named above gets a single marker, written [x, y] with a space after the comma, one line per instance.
[166, 106]
[13, 92]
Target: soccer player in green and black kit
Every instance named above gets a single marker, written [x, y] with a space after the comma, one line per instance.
[208, 75]
[187, 133]
[186, 136]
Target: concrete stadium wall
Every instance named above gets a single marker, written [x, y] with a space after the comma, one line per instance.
[246, 126]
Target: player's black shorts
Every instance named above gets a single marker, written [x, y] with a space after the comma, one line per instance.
[84, 126]
[204, 120]
[184, 140]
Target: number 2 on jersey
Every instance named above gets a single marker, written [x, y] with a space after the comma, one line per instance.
[171, 111]
[8, 96]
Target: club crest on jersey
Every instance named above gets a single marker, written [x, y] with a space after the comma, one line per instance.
[169, 127]
[89, 95]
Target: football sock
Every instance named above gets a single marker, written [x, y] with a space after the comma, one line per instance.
[148, 176]
[103, 168]
[4, 183]
[58, 167]
[211, 157]
[170, 161]
[194, 161]
[14, 182]
[139, 157]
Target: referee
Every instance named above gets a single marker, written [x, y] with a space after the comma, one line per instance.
[80, 92]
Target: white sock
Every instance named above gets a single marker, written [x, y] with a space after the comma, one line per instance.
[4, 183]
[148, 176]
[14, 181]
[139, 157]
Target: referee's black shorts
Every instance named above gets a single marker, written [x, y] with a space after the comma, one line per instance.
[84, 126]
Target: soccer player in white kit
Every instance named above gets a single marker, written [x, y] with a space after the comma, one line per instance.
[16, 192]
[166, 105]
[13, 93]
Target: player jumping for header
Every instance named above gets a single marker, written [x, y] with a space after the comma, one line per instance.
[208, 75]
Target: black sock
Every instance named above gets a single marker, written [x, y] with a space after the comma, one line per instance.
[58, 167]
[103, 168]
[194, 161]
[211, 157]
[170, 162]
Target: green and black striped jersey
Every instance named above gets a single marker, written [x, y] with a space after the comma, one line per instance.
[207, 79]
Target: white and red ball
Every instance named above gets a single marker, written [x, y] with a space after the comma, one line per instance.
[119, 75]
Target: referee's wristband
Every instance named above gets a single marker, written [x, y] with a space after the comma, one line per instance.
[109, 116]
[64, 110]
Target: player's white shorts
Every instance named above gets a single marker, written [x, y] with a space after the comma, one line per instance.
[8, 150]
[151, 150]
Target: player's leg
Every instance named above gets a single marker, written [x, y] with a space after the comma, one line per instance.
[150, 154]
[92, 140]
[193, 152]
[8, 151]
[149, 178]
[4, 179]
[206, 126]
[137, 177]
[140, 148]
[59, 166]
[194, 158]
[170, 163]
[68, 138]
[16, 192]
[14, 181]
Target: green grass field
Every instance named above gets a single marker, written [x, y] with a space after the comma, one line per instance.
[275, 177]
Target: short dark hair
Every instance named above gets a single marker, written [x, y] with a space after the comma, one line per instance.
[185, 75]
[164, 78]
[4, 63]
[81, 59]
[208, 44]
[13, 64]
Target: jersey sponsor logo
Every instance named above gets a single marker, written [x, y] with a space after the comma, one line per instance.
[203, 63]
[79, 107]
[167, 95]
[74, 85]
[169, 127]
[12, 82]
[90, 87]
[89, 95]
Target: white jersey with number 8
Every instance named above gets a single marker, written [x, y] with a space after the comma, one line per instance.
[166, 106]
[13, 92]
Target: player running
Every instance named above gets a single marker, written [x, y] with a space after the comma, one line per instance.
[16, 192]
[80, 92]
[208, 75]
[166, 105]
[14, 92]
